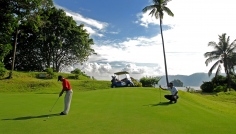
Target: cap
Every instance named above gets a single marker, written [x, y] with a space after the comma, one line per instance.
[59, 77]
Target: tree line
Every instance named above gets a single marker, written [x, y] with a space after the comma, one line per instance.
[35, 35]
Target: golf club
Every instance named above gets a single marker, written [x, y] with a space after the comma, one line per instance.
[54, 104]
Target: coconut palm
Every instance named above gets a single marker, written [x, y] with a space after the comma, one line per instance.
[157, 9]
[224, 53]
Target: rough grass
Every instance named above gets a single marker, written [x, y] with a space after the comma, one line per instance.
[27, 82]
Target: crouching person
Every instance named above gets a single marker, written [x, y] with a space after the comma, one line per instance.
[174, 93]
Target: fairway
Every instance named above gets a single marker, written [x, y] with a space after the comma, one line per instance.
[115, 111]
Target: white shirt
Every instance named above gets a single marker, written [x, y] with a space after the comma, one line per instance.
[173, 90]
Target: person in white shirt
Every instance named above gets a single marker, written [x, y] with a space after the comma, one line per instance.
[174, 93]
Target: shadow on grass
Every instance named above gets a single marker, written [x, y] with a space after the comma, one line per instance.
[160, 104]
[33, 117]
[45, 93]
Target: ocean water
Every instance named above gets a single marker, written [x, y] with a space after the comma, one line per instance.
[185, 88]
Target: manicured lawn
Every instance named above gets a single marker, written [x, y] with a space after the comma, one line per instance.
[115, 111]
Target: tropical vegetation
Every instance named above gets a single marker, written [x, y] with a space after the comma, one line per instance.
[223, 53]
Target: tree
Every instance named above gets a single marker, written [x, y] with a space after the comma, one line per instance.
[157, 9]
[20, 12]
[64, 42]
[77, 73]
[177, 83]
[223, 53]
[58, 42]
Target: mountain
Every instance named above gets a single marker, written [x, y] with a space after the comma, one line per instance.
[195, 79]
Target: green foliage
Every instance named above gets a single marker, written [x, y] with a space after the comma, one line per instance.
[149, 81]
[50, 72]
[4, 50]
[219, 80]
[177, 83]
[2, 70]
[207, 87]
[29, 24]
[77, 72]
[136, 83]
[220, 88]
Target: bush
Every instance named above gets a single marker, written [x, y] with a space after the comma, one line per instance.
[220, 88]
[136, 83]
[149, 81]
[50, 73]
[3, 70]
[207, 87]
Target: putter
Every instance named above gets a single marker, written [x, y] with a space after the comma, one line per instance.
[54, 104]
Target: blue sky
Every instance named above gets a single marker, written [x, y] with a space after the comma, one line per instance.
[128, 40]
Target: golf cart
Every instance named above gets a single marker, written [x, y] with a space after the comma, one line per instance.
[121, 79]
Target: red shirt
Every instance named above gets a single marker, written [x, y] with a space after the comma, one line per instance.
[66, 84]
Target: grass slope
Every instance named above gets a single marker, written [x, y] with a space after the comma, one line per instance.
[121, 110]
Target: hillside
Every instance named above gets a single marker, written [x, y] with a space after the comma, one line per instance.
[195, 79]
[28, 82]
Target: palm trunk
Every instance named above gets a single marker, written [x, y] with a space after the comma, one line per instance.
[167, 82]
[228, 77]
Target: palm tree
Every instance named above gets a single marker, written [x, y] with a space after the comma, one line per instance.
[224, 53]
[157, 9]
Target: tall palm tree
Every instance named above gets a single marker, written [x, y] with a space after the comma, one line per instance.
[157, 9]
[224, 53]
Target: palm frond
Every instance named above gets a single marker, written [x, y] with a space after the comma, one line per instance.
[213, 67]
[147, 8]
[212, 43]
[153, 12]
[210, 59]
[212, 54]
[168, 11]
[218, 70]
[157, 15]
[232, 47]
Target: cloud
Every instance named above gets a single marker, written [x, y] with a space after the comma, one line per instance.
[195, 23]
[94, 27]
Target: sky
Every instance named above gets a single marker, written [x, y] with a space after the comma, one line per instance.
[126, 39]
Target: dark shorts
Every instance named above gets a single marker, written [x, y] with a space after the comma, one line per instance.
[172, 97]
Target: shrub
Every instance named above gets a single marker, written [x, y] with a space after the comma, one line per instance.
[149, 81]
[207, 87]
[3, 70]
[136, 83]
[220, 88]
[50, 73]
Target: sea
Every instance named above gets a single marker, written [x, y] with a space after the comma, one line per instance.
[185, 88]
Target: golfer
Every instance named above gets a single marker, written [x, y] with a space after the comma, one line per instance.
[68, 96]
[174, 93]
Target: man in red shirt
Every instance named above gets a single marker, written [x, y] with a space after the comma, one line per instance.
[68, 96]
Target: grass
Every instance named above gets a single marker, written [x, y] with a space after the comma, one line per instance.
[98, 109]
